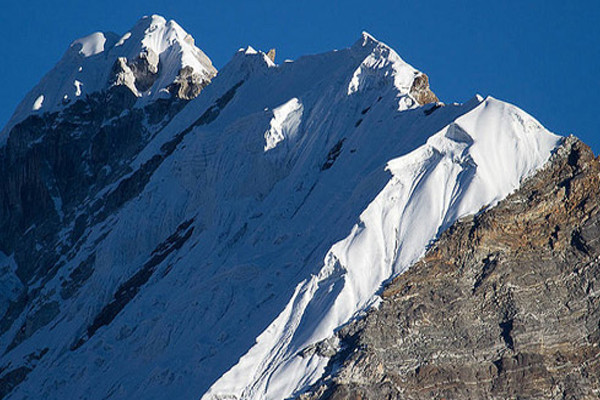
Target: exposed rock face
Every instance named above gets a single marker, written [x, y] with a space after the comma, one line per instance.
[505, 304]
[138, 75]
[420, 90]
[188, 84]
[50, 164]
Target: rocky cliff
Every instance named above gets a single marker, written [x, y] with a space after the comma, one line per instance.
[505, 305]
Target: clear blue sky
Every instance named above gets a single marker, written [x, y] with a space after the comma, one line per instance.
[542, 55]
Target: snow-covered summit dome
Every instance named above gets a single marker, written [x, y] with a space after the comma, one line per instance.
[155, 58]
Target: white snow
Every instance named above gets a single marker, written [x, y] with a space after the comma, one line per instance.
[473, 162]
[284, 124]
[77, 87]
[382, 60]
[37, 104]
[90, 45]
[123, 39]
[292, 238]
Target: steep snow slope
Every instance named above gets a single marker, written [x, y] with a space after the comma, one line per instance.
[271, 210]
[147, 60]
[473, 162]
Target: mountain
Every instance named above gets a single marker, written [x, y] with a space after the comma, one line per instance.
[171, 232]
[504, 305]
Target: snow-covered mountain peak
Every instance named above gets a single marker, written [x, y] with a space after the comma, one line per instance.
[382, 65]
[151, 22]
[245, 62]
[368, 45]
[250, 53]
[367, 40]
[155, 59]
[159, 35]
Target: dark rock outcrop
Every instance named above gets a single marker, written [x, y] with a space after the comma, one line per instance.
[140, 74]
[420, 90]
[53, 164]
[188, 84]
[505, 305]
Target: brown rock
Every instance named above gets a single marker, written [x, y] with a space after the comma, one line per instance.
[420, 90]
[189, 84]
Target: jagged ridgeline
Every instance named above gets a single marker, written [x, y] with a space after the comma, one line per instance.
[171, 232]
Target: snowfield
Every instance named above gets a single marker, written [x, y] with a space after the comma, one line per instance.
[297, 190]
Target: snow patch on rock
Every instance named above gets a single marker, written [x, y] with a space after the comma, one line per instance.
[284, 124]
[90, 45]
[38, 103]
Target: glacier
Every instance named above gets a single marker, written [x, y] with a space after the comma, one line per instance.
[278, 202]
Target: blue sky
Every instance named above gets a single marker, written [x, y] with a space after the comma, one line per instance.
[543, 56]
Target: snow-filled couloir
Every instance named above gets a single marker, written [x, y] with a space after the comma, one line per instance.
[264, 216]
